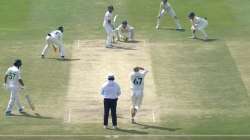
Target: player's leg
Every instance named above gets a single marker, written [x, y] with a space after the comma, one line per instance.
[11, 102]
[201, 28]
[193, 30]
[46, 47]
[106, 112]
[20, 107]
[159, 18]
[61, 49]
[113, 113]
[172, 13]
[109, 32]
[132, 108]
[131, 34]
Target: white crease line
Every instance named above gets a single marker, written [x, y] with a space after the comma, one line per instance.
[69, 115]
[153, 116]
[78, 43]
[212, 135]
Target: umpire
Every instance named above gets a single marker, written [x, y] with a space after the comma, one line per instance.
[110, 91]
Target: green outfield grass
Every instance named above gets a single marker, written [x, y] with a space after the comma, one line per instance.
[203, 86]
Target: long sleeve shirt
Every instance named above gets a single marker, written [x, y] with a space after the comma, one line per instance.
[110, 90]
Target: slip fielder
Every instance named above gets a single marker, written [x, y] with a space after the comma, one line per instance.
[137, 86]
[198, 24]
[55, 39]
[165, 7]
[14, 83]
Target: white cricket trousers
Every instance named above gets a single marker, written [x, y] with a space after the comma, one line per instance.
[109, 30]
[14, 98]
[137, 98]
[129, 34]
[53, 41]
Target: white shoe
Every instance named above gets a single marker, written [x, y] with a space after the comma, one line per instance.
[157, 27]
[105, 127]
[114, 127]
[109, 46]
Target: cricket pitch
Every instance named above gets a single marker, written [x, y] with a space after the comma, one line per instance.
[84, 104]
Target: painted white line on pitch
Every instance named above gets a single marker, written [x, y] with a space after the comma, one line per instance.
[69, 115]
[125, 135]
[153, 116]
[78, 43]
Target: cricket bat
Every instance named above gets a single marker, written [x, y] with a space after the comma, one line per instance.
[31, 105]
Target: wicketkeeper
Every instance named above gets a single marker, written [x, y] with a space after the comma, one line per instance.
[125, 32]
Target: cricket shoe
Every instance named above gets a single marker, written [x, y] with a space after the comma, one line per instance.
[109, 46]
[105, 127]
[8, 113]
[157, 27]
[133, 121]
[115, 127]
[21, 111]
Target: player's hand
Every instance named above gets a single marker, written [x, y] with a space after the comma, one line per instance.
[4, 85]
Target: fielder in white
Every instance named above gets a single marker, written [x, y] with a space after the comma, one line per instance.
[108, 26]
[125, 32]
[55, 39]
[137, 86]
[165, 7]
[14, 83]
[198, 24]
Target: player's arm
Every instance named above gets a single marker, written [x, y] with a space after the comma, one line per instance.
[5, 79]
[144, 70]
[119, 90]
[20, 79]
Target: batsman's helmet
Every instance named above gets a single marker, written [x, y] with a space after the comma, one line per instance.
[191, 15]
[17, 63]
[61, 28]
[110, 8]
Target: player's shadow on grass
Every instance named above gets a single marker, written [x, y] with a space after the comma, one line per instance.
[208, 40]
[171, 29]
[157, 127]
[36, 115]
[130, 131]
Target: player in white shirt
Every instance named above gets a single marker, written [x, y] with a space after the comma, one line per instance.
[165, 7]
[55, 39]
[198, 24]
[108, 26]
[137, 86]
[14, 83]
[125, 32]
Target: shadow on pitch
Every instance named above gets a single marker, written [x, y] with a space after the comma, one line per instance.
[145, 126]
[66, 59]
[171, 29]
[36, 115]
[122, 48]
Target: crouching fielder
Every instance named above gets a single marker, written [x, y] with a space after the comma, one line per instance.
[125, 32]
[165, 7]
[55, 39]
[137, 86]
[198, 24]
[14, 83]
